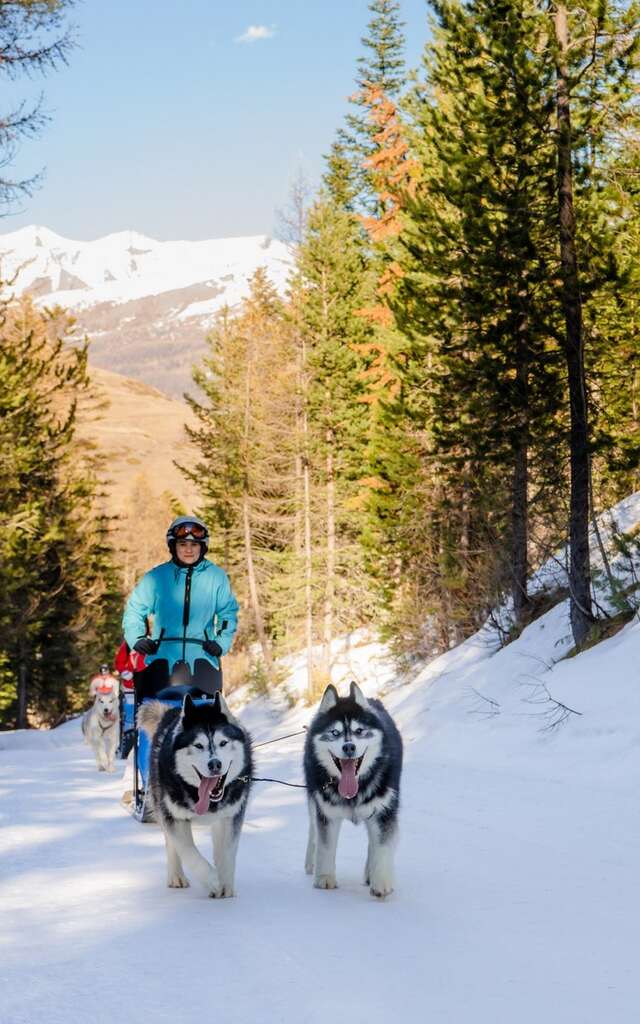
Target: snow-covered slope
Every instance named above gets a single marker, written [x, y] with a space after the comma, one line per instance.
[516, 895]
[147, 305]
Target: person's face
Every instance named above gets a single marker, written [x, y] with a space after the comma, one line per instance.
[188, 551]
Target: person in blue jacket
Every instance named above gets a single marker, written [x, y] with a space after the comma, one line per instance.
[193, 613]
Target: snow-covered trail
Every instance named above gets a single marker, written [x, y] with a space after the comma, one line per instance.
[516, 901]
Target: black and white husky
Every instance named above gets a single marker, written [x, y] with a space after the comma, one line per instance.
[352, 767]
[201, 768]
[100, 728]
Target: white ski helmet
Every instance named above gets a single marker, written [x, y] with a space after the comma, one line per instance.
[188, 527]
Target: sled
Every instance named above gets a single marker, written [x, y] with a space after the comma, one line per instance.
[127, 720]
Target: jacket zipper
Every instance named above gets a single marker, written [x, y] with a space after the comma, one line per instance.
[185, 611]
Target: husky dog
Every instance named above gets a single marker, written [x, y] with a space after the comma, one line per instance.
[201, 766]
[100, 728]
[352, 767]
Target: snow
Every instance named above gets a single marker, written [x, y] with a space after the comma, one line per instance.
[516, 879]
[516, 895]
[125, 266]
[622, 518]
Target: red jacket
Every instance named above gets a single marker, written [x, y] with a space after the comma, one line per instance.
[127, 662]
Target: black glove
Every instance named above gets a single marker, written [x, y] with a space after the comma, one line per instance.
[212, 647]
[145, 645]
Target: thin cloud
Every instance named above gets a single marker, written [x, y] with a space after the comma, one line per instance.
[256, 32]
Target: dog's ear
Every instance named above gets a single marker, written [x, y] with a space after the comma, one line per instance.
[220, 705]
[188, 708]
[329, 699]
[358, 696]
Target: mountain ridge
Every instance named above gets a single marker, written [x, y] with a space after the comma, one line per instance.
[147, 306]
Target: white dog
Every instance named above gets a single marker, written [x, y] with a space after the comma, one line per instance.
[100, 728]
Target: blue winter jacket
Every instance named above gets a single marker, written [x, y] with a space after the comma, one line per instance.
[205, 609]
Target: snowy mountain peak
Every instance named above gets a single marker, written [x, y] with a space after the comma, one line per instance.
[128, 265]
[130, 292]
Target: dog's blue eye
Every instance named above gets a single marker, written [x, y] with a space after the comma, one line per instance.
[199, 746]
[336, 733]
[358, 732]
[223, 743]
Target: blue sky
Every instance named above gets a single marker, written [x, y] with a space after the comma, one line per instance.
[166, 123]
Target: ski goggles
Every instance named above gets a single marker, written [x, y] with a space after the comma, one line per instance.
[189, 530]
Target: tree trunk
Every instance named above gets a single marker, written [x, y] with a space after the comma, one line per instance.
[635, 379]
[308, 569]
[308, 563]
[298, 519]
[579, 567]
[246, 525]
[520, 486]
[519, 532]
[23, 692]
[329, 593]
[298, 526]
[253, 587]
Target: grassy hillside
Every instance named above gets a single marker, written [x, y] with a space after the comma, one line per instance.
[145, 338]
[138, 433]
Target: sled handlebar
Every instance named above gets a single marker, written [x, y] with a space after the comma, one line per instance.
[187, 639]
[179, 640]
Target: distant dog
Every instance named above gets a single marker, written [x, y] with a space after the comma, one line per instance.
[201, 767]
[100, 728]
[352, 767]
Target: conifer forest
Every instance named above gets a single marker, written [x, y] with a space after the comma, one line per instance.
[446, 393]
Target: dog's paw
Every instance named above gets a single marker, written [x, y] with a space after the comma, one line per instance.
[381, 889]
[177, 881]
[111, 768]
[326, 882]
[222, 892]
[214, 886]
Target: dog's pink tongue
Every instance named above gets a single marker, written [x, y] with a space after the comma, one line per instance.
[204, 792]
[348, 785]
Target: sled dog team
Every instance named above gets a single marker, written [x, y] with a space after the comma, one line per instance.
[201, 768]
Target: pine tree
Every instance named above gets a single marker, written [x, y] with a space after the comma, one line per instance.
[32, 39]
[247, 439]
[330, 297]
[596, 59]
[381, 67]
[612, 329]
[480, 292]
[59, 599]
[342, 178]
[391, 448]
[475, 291]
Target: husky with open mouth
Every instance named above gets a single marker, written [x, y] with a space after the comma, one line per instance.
[201, 769]
[352, 766]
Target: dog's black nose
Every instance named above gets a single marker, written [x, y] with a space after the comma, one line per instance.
[349, 749]
[214, 765]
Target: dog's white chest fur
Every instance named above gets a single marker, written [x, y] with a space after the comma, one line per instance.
[359, 812]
